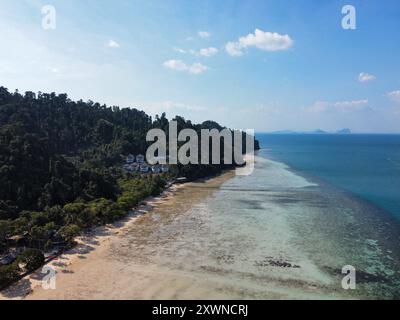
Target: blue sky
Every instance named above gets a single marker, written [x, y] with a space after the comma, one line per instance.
[205, 60]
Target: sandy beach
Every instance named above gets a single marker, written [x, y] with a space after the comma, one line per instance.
[88, 271]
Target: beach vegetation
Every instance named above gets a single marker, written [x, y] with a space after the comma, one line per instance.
[69, 232]
[31, 259]
[9, 274]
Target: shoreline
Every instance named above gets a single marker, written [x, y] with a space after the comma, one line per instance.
[97, 240]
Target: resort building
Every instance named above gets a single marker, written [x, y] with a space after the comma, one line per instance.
[140, 158]
[7, 259]
[135, 167]
[142, 166]
[130, 159]
[126, 167]
[156, 169]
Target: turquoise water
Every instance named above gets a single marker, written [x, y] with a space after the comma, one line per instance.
[366, 165]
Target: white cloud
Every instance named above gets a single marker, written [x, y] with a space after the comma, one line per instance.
[197, 68]
[365, 77]
[205, 52]
[394, 95]
[341, 106]
[353, 105]
[204, 34]
[234, 49]
[208, 52]
[179, 65]
[113, 44]
[263, 40]
[180, 50]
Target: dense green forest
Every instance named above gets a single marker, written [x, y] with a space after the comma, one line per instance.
[60, 170]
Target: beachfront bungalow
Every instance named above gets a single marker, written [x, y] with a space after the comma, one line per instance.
[10, 256]
[155, 169]
[181, 180]
[17, 240]
[133, 167]
[130, 159]
[127, 167]
[140, 158]
[144, 168]
[7, 259]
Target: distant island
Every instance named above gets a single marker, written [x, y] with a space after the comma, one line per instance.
[318, 131]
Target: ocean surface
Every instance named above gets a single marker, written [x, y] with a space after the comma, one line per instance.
[366, 165]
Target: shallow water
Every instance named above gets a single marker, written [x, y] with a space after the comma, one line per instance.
[273, 234]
